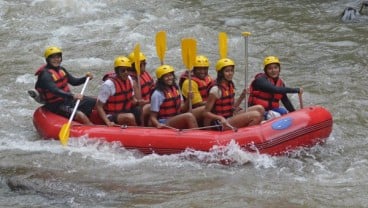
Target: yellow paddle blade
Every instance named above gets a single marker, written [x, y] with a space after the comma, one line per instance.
[64, 134]
[161, 45]
[222, 45]
[137, 61]
[246, 34]
[188, 52]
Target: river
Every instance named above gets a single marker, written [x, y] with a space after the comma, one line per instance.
[319, 52]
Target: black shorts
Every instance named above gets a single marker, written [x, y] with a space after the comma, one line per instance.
[219, 125]
[136, 112]
[66, 108]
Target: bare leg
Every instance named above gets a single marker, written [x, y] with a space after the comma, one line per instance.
[198, 114]
[82, 118]
[258, 108]
[126, 119]
[183, 121]
[146, 110]
[244, 119]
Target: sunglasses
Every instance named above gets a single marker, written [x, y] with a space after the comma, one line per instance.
[142, 63]
[123, 70]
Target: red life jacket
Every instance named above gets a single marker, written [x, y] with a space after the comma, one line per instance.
[146, 81]
[267, 100]
[172, 103]
[204, 86]
[182, 78]
[110, 74]
[61, 81]
[224, 105]
[122, 100]
[147, 85]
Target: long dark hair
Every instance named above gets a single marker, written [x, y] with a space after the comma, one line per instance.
[220, 77]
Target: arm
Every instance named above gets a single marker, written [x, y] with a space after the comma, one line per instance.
[196, 95]
[210, 105]
[101, 112]
[156, 101]
[239, 100]
[263, 84]
[136, 97]
[103, 95]
[73, 80]
[287, 103]
[154, 121]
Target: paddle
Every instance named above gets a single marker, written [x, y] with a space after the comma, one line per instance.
[222, 45]
[65, 129]
[161, 45]
[203, 127]
[300, 100]
[137, 63]
[246, 35]
[188, 54]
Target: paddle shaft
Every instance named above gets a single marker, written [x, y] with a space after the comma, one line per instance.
[246, 35]
[78, 101]
[300, 100]
[65, 129]
[203, 127]
[190, 90]
[137, 64]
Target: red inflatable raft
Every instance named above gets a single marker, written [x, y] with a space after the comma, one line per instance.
[302, 128]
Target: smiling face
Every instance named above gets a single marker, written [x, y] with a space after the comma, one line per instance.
[122, 72]
[54, 59]
[200, 72]
[168, 78]
[273, 70]
[228, 72]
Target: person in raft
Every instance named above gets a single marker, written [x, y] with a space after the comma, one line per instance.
[166, 102]
[53, 88]
[201, 83]
[147, 86]
[220, 103]
[116, 98]
[268, 89]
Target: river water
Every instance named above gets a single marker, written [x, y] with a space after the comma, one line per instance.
[319, 52]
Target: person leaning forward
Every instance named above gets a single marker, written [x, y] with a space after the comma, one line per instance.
[116, 98]
[53, 87]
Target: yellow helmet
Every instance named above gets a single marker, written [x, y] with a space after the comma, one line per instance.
[201, 61]
[122, 61]
[270, 60]
[52, 50]
[132, 59]
[162, 70]
[223, 63]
